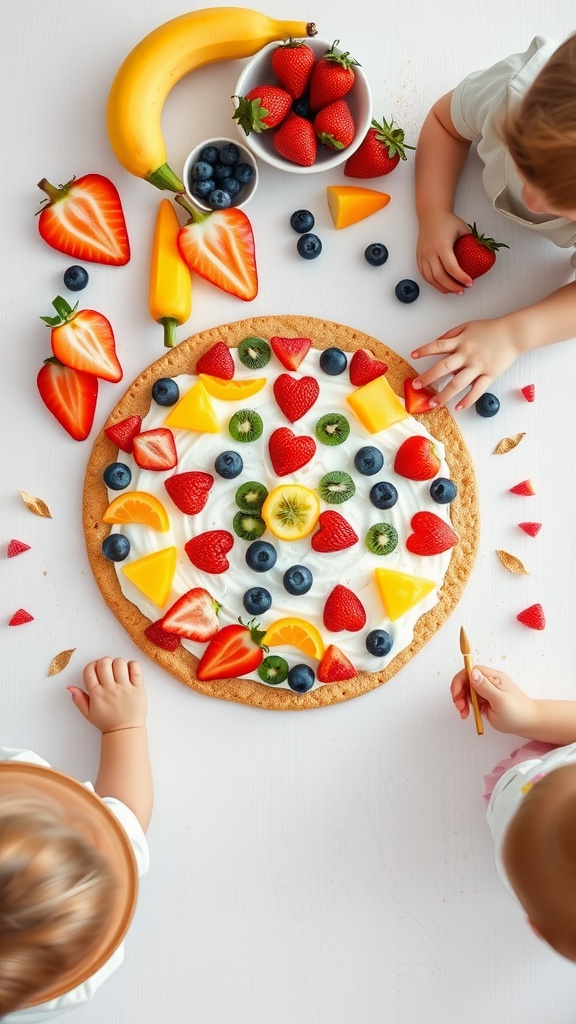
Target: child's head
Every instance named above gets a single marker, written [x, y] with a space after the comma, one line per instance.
[56, 892]
[539, 856]
[540, 131]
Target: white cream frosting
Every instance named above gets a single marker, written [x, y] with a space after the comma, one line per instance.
[353, 567]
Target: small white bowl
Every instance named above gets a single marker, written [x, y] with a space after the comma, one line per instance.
[258, 71]
[246, 157]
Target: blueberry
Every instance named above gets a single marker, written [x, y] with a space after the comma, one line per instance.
[309, 246]
[261, 556]
[383, 495]
[443, 491]
[301, 107]
[257, 600]
[368, 460]
[165, 391]
[209, 154]
[201, 189]
[379, 643]
[244, 173]
[232, 186]
[219, 199]
[117, 476]
[407, 291]
[229, 154]
[222, 171]
[75, 278]
[301, 678]
[302, 221]
[333, 361]
[229, 465]
[201, 170]
[376, 254]
[116, 547]
[297, 580]
[487, 405]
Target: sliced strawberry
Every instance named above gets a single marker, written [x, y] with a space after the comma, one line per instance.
[335, 666]
[343, 610]
[335, 533]
[208, 550]
[529, 392]
[155, 449]
[84, 219]
[533, 617]
[525, 487]
[288, 453]
[416, 458]
[83, 340]
[160, 637]
[123, 432]
[295, 397]
[365, 367]
[20, 617]
[417, 400]
[290, 351]
[16, 547]
[193, 616]
[69, 395]
[189, 491]
[532, 529]
[431, 535]
[234, 651]
[219, 246]
[217, 362]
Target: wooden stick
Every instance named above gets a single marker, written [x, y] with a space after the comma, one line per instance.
[465, 650]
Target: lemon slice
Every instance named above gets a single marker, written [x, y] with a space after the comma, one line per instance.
[231, 390]
[292, 632]
[138, 507]
[291, 511]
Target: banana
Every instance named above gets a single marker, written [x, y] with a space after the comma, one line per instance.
[170, 290]
[161, 59]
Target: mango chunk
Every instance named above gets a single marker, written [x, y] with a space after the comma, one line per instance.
[376, 405]
[153, 574]
[351, 203]
[400, 591]
[194, 412]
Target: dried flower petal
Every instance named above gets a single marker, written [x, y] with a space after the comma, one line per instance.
[512, 563]
[60, 661]
[35, 505]
[507, 444]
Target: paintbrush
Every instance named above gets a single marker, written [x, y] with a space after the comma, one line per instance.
[465, 649]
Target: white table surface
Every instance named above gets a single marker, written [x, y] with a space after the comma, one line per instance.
[335, 865]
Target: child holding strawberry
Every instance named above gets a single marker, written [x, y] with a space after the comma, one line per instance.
[532, 801]
[522, 114]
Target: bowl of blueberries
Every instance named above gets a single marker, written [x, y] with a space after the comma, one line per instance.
[220, 173]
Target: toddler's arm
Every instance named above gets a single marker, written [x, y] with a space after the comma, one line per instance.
[510, 710]
[115, 702]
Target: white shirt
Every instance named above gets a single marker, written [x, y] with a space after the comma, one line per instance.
[82, 993]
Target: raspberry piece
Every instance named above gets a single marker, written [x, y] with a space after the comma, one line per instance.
[16, 547]
[532, 529]
[529, 392]
[20, 617]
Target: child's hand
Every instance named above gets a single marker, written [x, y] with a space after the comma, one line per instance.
[435, 252]
[474, 353]
[505, 705]
[115, 698]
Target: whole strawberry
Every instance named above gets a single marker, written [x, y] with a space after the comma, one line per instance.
[295, 140]
[379, 152]
[263, 107]
[475, 253]
[334, 125]
[331, 78]
[292, 63]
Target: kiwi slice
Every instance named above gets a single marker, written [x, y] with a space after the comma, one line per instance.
[381, 539]
[273, 670]
[254, 353]
[336, 487]
[333, 428]
[248, 526]
[251, 496]
[246, 425]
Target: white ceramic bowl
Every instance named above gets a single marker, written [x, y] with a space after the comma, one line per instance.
[246, 157]
[258, 71]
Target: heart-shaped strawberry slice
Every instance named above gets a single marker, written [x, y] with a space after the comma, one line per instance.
[365, 367]
[295, 397]
[208, 550]
[189, 491]
[431, 535]
[289, 452]
[334, 534]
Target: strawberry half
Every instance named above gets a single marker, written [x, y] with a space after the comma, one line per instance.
[288, 453]
[380, 152]
[219, 247]
[431, 535]
[84, 219]
[160, 637]
[416, 458]
[263, 107]
[335, 533]
[20, 617]
[292, 63]
[189, 491]
[533, 617]
[365, 367]
[208, 550]
[532, 529]
[234, 651]
[335, 666]
[16, 547]
[417, 400]
[295, 397]
[84, 340]
[343, 610]
[217, 362]
[70, 395]
[332, 77]
[475, 253]
[193, 616]
[155, 450]
[122, 434]
[290, 351]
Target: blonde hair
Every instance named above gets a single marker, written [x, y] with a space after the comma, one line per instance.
[540, 131]
[56, 893]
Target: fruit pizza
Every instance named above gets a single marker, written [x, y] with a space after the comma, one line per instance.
[273, 519]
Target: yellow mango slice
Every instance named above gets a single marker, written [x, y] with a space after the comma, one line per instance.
[351, 203]
[194, 412]
[153, 574]
[377, 405]
[400, 591]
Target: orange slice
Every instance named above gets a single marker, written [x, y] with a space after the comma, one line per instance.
[231, 390]
[291, 511]
[138, 507]
[292, 632]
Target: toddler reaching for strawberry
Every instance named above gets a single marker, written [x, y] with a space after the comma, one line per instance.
[532, 801]
[521, 113]
[70, 854]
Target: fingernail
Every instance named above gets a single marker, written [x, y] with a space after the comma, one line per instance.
[432, 404]
[476, 676]
[414, 355]
[416, 384]
[461, 293]
[457, 408]
[70, 691]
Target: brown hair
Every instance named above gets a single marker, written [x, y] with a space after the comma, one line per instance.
[55, 899]
[540, 131]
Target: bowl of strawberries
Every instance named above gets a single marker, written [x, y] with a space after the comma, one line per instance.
[302, 105]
